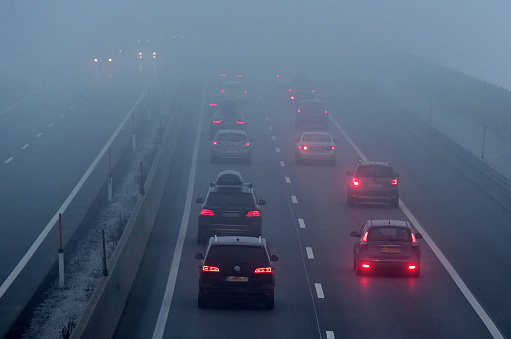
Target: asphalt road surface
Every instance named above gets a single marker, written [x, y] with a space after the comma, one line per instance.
[307, 223]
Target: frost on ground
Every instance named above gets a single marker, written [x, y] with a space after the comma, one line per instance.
[60, 308]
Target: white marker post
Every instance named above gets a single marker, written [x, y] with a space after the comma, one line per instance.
[134, 136]
[61, 256]
[109, 176]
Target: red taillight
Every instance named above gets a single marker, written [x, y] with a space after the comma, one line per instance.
[217, 121]
[207, 212]
[278, 75]
[313, 91]
[210, 269]
[355, 182]
[393, 182]
[245, 92]
[299, 111]
[239, 75]
[215, 142]
[240, 122]
[365, 266]
[247, 144]
[326, 112]
[292, 97]
[412, 267]
[290, 90]
[263, 270]
[253, 214]
[223, 91]
[414, 240]
[223, 75]
[304, 147]
[363, 242]
[333, 148]
[212, 104]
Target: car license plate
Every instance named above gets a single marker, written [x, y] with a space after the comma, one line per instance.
[374, 185]
[234, 278]
[390, 250]
[230, 215]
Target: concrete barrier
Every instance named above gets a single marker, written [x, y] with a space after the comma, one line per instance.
[103, 311]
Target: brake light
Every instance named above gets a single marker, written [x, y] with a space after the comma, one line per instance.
[326, 112]
[239, 75]
[215, 142]
[365, 266]
[223, 91]
[363, 242]
[333, 148]
[414, 240]
[412, 267]
[304, 147]
[290, 90]
[207, 212]
[292, 97]
[240, 122]
[253, 214]
[223, 75]
[212, 104]
[206, 268]
[263, 270]
[245, 92]
[299, 111]
[278, 75]
[247, 144]
[217, 121]
[393, 182]
[355, 182]
[313, 91]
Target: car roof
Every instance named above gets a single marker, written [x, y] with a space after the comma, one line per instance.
[378, 163]
[237, 240]
[315, 132]
[389, 222]
[231, 131]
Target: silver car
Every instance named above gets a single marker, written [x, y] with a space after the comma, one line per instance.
[316, 146]
[231, 144]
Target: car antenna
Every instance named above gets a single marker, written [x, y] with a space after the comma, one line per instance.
[390, 216]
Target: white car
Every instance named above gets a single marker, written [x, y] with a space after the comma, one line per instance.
[316, 146]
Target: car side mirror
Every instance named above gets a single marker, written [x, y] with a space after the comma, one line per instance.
[349, 173]
[418, 236]
[396, 174]
[274, 258]
[354, 234]
[199, 200]
[262, 202]
[199, 256]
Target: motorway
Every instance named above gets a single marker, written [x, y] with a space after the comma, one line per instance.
[49, 136]
[307, 223]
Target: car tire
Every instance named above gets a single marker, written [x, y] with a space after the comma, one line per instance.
[202, 301]
[269, 303]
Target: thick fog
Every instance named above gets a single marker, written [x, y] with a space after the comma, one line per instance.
[468, 35]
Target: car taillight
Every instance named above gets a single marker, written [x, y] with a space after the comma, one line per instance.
[263, 270]
[414, 240]
[240, 122]
[292, 97]
[290, 90]
[304, 147]
[207, 212]
[393, 182]
[247, 144]
[223, 91]
[412, 267]
[278, 75]
[245, 92]
[215, 143]
[366, 266]
[326, 112]
[313, 91]
[213, 104]
[210, 269]
[363, 242]
[223, 75]
[253, 214]
[217, 121]
[239, 75]
[333, 148]
[299, 110]
[355, 182]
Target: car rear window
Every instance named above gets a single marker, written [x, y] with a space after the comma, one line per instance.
[375, 171]
[230, 137]
[233, 254]
[235, 200]
[313, 105]
[234, 87]
[389, 233]
[317, 137]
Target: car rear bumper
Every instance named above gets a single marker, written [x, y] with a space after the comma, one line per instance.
[236, 291]
[309, 156]
[374, 195]
[210, 230]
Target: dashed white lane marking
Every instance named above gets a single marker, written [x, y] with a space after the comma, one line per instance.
[9, 160]
[277, 149]
[330, 335]
[51, 125]
[38, 135]
[492, 328]
[267, 119]
[25, 147]
[273, 137]
[288, 181]
[282, 163]
[71, 108]
[319, 290]
[61, 116]
[301, 223]
[270, 127]
[293, 198]
[310, 254]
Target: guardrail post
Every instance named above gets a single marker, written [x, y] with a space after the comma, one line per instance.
[142, 190]
[105, 269]
[61, 255]
[109, 175]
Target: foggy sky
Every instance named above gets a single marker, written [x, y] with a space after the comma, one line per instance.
[468, 35]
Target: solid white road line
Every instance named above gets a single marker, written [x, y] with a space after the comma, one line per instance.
[481, 312]
[25, 147]
[294, 200]
[8, 161]
[30, 252]
[310, 254]
[51, 125]
[330, 335]
[282, 163]
[38, 135]
[277, 149]
[22, 101]
[319, 290]
[288, 181]
[301, 223]
[270, 127]
[176, 258]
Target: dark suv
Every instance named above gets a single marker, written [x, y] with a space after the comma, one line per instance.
[312, 113]
[227, 116]
[237, 267]
[373, 182]
[230, 207]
